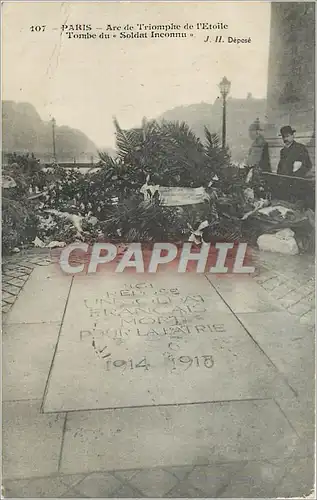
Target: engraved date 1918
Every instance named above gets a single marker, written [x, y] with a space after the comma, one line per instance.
[187, 362]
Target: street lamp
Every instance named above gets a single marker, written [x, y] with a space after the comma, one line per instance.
[54, 145]
[224, 87]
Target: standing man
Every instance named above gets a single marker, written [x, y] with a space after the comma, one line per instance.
[294, 158]
[258, 155]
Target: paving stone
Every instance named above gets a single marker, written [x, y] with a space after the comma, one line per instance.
[273, 283]
[17, 270]
[212, 479]
[308, 318]
[126, 475]
[26, 267]
[180, 472]
[291, 299]
[308, 288]
[40, 261]
[282, 290]
[296, 271]
[201, 460]
[9, 264]
[310, 298]
[31, 441]
[12, 266]
[98, 485]
[8, 276]
[255, 480]
[73, 493]
[18, 282]
[185, 490]
[300, 308]
[300, 412]
[9, 288]
[126, 492]
[6, 307]
[287, 343]
[15, 273]
[305, 448]
[27, 354]
[167, 436]
[72, 480]
[243, 294]
[11, 489]
[42, 299]
[154, 483]
[48, 487]
[297, 264]
[8, 298]
[265, 274]
[298, 480]
[23, 270]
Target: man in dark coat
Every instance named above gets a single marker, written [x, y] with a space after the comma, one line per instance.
[294, 157]
[258, 155]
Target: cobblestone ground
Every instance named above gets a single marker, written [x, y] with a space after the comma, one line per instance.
[16, 270]
[290, 280]
[218, 480]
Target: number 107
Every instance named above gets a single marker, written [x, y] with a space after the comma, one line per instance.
[38, 28]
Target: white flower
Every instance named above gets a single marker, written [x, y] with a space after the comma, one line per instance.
[38, 243]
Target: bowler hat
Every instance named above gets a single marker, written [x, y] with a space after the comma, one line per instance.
[287, 130]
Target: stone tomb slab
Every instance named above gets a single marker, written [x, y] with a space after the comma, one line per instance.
[167, 340]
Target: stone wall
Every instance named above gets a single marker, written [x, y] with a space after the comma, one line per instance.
[291, 75]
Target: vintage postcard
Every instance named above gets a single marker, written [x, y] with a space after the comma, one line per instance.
[158, 248]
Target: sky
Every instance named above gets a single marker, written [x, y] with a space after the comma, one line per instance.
[84, 83]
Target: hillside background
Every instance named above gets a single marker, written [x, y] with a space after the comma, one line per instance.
[23, 130]
[240, 114]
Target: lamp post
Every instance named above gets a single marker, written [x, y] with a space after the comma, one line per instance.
[224, 87]
[54, 142]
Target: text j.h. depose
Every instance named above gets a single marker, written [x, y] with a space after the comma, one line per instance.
[229, 39]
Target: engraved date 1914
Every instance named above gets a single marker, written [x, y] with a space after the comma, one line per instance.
[129, 364]
[184, 362]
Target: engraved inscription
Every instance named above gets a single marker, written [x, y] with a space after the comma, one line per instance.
[152, 315]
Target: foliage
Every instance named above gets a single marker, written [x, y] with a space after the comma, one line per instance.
[109, 200]
[170, 153]
[136, 220]
[18, 223]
